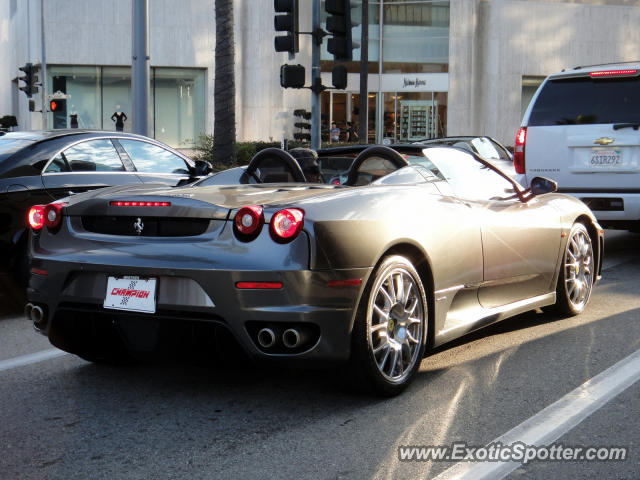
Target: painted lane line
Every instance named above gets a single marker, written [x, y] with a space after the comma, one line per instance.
[555, 420]
[30, 358]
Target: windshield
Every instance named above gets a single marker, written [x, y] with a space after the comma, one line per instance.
[468, 177]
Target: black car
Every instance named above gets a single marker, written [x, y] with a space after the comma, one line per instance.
[42, 166]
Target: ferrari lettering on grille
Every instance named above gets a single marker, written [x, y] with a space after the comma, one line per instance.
[125, 292]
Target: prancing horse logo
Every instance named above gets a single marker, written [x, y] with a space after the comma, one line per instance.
[138, 226]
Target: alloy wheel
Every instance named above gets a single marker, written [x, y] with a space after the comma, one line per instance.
[578, 269]
[396, 321]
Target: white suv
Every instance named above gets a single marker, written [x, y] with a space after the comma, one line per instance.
[581, 129]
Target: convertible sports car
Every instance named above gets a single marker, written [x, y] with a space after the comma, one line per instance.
[413, 251]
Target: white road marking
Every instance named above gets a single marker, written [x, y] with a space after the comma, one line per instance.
[555, 420]
[30, 358]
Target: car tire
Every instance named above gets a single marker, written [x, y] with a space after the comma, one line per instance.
[575, 279]
[390, 329]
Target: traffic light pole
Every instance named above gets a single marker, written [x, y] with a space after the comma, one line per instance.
[43, 68]
[364, 74]
[140, 67]
[315, 78]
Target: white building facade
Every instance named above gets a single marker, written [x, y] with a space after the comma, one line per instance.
[457, 67]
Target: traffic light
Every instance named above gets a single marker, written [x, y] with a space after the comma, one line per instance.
[286, 21]
[339, 24]
[292, 76]
[30, 79]
[57, 105]
[339, 77]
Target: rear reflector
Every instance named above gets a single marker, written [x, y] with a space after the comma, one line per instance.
[139, 204]
[39, 271]
[352, 282]
[35, 217]
[259, 285]
[613, 73]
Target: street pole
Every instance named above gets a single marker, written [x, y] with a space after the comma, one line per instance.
[43, 69]
[140, 67]
[316, 80]
[363, 112]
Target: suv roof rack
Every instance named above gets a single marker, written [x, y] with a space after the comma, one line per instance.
[604, 64]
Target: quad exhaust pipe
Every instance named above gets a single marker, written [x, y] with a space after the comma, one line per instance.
[274, 338]
[266, 338]
[293, 338]
[35, 313]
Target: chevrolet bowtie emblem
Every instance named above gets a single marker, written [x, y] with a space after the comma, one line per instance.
[603, 141]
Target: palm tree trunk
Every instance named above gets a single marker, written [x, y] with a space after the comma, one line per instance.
[224, 124]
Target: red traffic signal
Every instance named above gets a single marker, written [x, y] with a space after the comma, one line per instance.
[57, 105]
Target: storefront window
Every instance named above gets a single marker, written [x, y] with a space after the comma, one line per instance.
[116, 97]
[413, 116]
[326, 58]
[409, 46]
[179, 100]
[83, 86]
[97, 94]
[415, 36]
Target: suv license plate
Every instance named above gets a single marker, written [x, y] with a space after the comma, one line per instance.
[131, 293]
[606, 158]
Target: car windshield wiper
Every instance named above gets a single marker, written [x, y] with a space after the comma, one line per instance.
[619, 126]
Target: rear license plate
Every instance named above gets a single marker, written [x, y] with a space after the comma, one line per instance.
[133, 294]
[606, 158]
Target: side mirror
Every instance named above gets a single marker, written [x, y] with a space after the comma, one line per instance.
[541, 185]
[202, 168]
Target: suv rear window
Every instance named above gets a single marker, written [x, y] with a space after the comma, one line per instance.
[579, 101]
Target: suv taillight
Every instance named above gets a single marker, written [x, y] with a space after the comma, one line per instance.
[518, 150]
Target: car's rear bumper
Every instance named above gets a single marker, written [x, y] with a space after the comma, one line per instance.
[611, 208]
[71, 293]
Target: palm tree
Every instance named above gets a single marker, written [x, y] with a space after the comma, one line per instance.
[224, 122]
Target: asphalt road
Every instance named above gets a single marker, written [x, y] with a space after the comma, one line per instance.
[64, 418]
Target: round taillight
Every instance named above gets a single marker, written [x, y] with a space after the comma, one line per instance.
[53, 215]
[286, 224]
[36, 217]
[248, 221]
